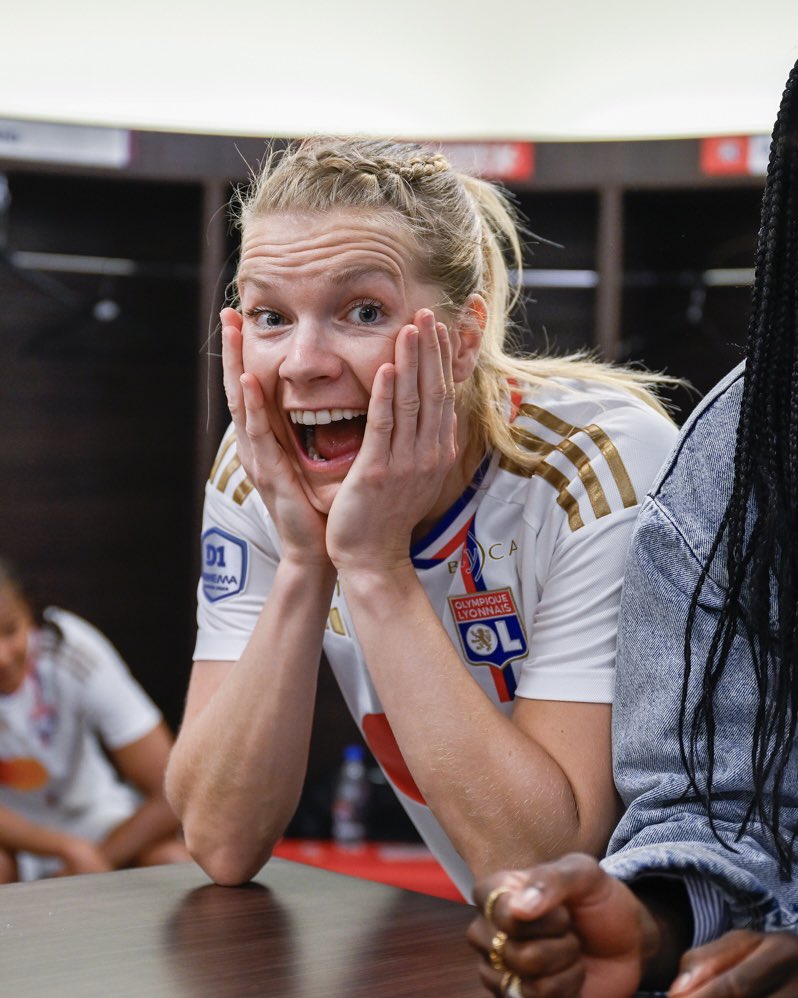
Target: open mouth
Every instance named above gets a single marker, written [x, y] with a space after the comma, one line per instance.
[329, 434]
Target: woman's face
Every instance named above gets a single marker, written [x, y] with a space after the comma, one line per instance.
[16, 624]
[323, 297]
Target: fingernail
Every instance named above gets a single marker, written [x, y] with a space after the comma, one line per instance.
[529, 898]
[682, 983]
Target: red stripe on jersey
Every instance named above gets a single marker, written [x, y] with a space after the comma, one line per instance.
[501, 684]
[456, 542]
[383, 746]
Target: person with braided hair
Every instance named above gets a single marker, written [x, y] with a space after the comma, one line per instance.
[446, 521]
[698, 890]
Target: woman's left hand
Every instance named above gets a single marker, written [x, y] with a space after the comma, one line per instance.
[741, 963]
[409, 446]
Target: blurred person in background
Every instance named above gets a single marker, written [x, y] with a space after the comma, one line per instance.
[82, 749]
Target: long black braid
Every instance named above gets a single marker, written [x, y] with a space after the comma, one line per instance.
[760, 526]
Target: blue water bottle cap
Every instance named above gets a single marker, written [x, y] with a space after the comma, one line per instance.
[354, 753]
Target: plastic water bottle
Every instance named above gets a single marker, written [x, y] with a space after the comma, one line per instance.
[351, 799]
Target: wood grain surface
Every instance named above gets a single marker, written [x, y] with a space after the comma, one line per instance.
[295, 932]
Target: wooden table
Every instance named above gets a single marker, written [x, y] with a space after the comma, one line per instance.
[296, 932]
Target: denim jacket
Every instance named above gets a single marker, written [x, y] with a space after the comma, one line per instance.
[660, 834]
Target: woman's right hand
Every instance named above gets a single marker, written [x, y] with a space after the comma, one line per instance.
[571, 930]
[301, 527]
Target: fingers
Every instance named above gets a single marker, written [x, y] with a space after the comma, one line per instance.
[740, 963]
[543, 951]
[513, 880]
[522, 911]
[407, 391]
[705, 962]
[431, 378]
[424, 401]
[245, 400]
[256, 422]
[550, 966]
[553, 923]
[448, 423]
[232, 362]
[575, 879]
[262, 448]
[375, 451]
[412, 412]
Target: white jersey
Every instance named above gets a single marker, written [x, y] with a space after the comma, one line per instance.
[76, 695]
[524, 570]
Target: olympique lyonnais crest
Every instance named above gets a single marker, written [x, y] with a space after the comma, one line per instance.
[490, 629]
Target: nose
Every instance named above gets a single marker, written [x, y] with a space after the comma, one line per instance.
[311, 354]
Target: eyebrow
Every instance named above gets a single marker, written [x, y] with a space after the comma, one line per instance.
[349, 275]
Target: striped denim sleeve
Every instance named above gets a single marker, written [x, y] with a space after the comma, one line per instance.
[711, 916]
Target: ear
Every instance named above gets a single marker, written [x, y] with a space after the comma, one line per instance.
[467, 338]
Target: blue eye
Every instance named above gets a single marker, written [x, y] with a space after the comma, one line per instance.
[265, 318]
[366, 313]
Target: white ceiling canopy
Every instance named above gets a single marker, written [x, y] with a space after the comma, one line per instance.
[447, 69]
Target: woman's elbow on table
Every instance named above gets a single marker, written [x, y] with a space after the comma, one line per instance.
[226, 863]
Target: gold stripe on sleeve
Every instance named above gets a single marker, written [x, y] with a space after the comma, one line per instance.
[599, 438]
[231, 468]
[564, 498]
[548, 419]
[556, 479]
[577, 457]
[616, 465]
[242, 491]
[220, 456]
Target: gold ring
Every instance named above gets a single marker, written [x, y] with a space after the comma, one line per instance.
[497, 945]
[511, 985]
[492, 898]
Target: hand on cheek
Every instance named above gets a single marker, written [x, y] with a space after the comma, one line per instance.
[408, 449]
[265, 461]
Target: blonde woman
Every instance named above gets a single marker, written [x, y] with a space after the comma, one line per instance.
[446, 521]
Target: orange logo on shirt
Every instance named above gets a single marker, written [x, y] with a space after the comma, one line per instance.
[23, 774]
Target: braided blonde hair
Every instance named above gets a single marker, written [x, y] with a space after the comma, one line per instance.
[467, 231]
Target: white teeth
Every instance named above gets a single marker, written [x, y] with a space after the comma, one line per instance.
[320, 417]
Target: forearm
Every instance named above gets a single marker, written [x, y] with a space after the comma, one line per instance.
[501, 798]
[19, 833]
[236, 771]
[152, 821]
